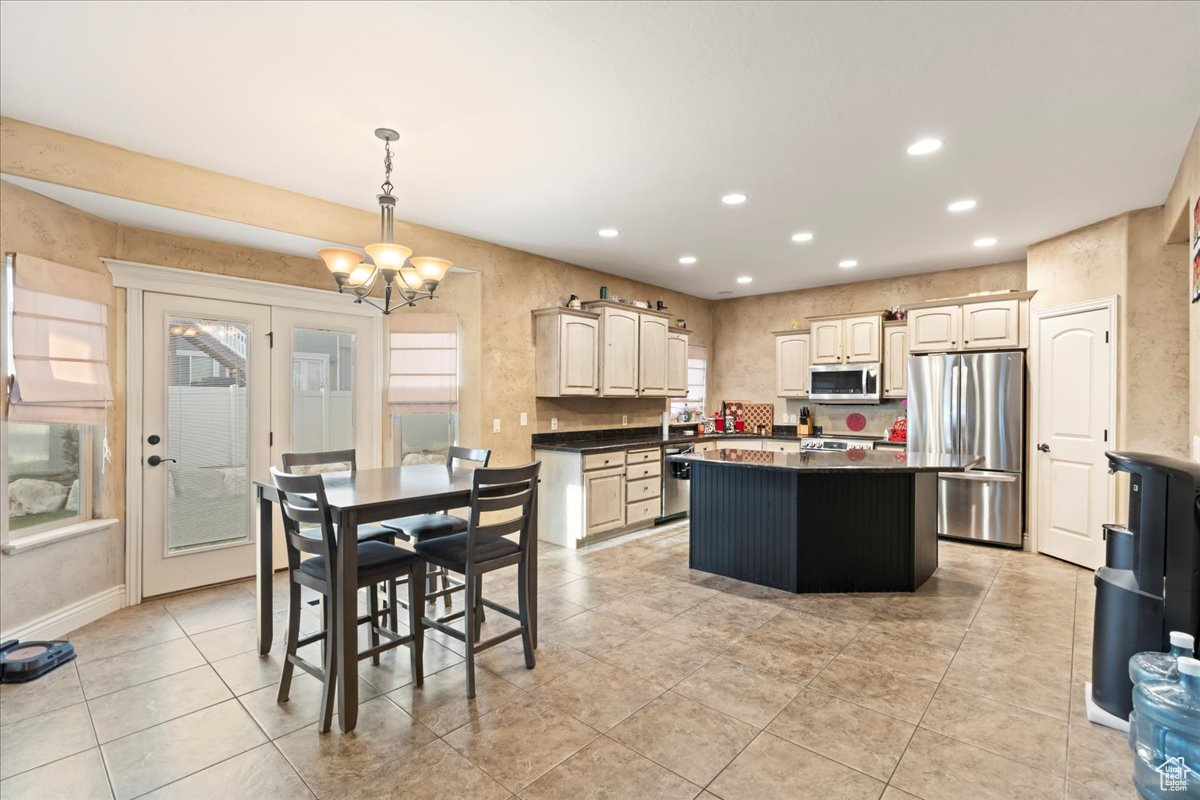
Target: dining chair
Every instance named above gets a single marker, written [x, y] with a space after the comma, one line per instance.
[303, 501]
[483, 548]
[322, 461]
[422, 527]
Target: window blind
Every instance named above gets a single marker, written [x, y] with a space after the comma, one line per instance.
[423, 363]
[59, 343]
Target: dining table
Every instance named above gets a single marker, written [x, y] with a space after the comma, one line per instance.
[359, 498]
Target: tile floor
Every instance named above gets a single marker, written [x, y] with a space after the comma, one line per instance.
[653, 681]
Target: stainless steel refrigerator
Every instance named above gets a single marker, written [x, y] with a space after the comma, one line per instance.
[973, 404]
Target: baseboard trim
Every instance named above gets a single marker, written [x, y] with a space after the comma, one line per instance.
[76, 615]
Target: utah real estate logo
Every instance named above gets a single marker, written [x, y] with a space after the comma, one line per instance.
[1173, 775]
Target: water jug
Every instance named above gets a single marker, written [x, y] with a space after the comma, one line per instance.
[1164, 733]
[1162, 666]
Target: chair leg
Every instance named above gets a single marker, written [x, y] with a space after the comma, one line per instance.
[479, 594]
[329, 685]
[393, 614]
[416, 626]
[372, 620]
[293, 636]
[470, 626]
[523, 608]
[445, 587]
[478, 605]
[431, 585]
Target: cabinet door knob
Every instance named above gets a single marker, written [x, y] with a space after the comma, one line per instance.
[1045, 448]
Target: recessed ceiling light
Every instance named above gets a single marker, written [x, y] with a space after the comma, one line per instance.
[986, 241]
[923, 147]
[745, 279]
[959, 206]
[848, 263]
[802, 237]
[687, 260]
[609, 233]
[734, 199]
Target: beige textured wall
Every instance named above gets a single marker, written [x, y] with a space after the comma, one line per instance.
[1179, 226]
[38, 582]
[745, 356]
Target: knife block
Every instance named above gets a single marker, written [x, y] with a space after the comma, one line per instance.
[804, 428]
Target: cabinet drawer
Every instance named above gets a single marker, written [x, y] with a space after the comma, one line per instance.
[643, 511]
[781, 447]
[643, 489]
[646, 469]
[641, 456]
[602, 460]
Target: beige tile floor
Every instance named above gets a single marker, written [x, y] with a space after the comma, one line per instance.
[653, 681]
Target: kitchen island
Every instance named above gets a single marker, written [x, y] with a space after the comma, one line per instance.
[819, 521]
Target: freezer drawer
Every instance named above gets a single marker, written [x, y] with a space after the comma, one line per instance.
[980, 506]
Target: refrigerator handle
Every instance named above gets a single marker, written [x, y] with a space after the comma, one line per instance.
[956, 403]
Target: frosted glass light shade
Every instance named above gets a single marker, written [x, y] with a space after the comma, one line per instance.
[340, 260]
[361, 275]
[431, 269]
[387, 255]
[411, 278]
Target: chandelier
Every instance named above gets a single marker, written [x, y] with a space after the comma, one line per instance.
[406, 278]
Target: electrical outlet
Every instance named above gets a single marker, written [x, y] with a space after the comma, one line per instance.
[1196, 448]
[554, 423]
[624, 420]
[496, 425]
[524, 418]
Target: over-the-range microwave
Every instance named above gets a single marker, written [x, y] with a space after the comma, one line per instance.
[844, 383]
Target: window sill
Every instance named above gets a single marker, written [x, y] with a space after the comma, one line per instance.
[43, 538]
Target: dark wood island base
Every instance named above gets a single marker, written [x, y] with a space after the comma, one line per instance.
[858, 521]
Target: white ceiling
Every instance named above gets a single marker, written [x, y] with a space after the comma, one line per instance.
[535, 124]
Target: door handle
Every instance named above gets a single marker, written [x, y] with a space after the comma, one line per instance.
[154, 461]
[1045, 448]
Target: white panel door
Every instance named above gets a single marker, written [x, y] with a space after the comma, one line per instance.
[1074, 394]
[206, 413]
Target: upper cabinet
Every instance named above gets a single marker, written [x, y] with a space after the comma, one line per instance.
[991, 325]
[826, 336]
[677, 362]
[567, 352]
[619, 328]
[791, 363]
[895, 359]
[981, 322]
[652, 355]
[861, 338]
[934, 329]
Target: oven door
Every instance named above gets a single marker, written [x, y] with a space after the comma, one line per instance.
[844, 383]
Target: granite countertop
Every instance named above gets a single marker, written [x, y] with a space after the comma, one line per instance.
[612, 444]
[834, 460]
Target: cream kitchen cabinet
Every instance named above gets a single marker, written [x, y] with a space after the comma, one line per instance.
[604, 499]
[742, 444]
[826, 340]
[780, 446]
[934, 329]
[567, 352]
[991, 326]
[792, 360]
[677, 362]
[895, 359]
[619, 334]
[652, 355]
[861, 338]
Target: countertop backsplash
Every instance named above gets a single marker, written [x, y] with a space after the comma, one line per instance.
[832, 417]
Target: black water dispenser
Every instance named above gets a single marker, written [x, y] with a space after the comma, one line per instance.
[1150, 583]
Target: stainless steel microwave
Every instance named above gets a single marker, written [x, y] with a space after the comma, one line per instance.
[844, 383]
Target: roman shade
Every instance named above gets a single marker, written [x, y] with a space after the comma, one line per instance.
[423, 363]
[59, 343]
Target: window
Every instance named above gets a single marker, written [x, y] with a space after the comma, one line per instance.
[423, 387]
[55, 352]
[691, 408]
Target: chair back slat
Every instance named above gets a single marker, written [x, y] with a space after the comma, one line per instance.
[502, 489]
[455, 453]
[303, 501]
[332, 460]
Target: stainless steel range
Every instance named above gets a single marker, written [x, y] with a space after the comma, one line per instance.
[835, 443]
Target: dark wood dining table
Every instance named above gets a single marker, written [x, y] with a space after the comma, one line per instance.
[368, 495]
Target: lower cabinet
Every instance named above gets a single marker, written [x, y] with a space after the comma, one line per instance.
[604, 497]
[583, 498]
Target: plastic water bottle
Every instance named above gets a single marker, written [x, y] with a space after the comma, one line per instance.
[1162, 666]
[1164, 733]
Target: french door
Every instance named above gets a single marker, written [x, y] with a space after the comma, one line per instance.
[228, 387]
[206, 428]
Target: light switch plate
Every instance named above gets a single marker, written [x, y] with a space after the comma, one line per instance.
[624, 420]
[1196, 448]
[524, 418]
[554, 423]
[496, 425]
